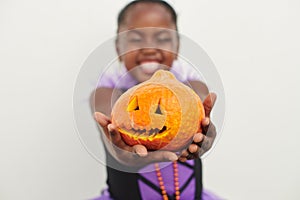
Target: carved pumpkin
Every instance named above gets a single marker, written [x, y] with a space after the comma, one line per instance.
[160, 113]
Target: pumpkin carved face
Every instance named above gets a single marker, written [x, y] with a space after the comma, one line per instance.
[158, 113]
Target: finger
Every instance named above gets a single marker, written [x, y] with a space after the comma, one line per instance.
[192, 156]
[162, 156]
[170, 156]
[118, 143]
[182, 159]
[193, 148]
[194, 153]
[112, 129]
[184, 153]
[102, 119]
[198, 137]
[115, 136]
[140, 150]
[209, 102]
[205, 121]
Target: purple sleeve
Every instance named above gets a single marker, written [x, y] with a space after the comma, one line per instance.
[106, 80]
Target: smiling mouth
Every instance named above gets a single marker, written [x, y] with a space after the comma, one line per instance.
[151, 132]
[150, 67]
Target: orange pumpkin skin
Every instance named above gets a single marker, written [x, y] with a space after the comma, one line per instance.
[160, 113]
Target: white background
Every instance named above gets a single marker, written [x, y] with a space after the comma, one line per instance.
[255, 46]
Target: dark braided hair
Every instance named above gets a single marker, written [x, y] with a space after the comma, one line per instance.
[123, 12]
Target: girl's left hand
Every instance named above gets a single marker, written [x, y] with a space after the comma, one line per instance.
[202, 142]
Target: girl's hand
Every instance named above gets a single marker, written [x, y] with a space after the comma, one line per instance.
[202, 142]
[136, 155]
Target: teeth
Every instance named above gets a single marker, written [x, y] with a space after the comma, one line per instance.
[153, 131]
[144, 132]
[138, 131]
[150, 67]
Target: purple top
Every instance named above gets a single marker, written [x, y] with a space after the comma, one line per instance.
[116, 76]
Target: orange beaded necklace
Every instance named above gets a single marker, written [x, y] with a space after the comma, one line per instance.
[161, 182]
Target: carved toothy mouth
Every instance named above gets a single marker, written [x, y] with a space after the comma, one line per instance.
[151, 132]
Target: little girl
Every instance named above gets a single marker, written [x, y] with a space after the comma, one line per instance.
[148, 41]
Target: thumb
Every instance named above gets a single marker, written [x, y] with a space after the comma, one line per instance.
[162, 156]
[209, 102]
[102, 119]
[140, 150]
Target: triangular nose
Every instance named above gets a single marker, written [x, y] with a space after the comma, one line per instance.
[158, 110]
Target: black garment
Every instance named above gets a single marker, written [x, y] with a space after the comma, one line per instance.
[124, 185]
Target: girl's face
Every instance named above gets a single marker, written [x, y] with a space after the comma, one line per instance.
[147, 41]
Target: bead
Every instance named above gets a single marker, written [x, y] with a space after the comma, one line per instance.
[161, 182]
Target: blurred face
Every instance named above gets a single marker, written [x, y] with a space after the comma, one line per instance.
[147, 40]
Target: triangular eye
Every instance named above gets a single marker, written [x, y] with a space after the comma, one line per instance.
[158, 110]
[133, 105]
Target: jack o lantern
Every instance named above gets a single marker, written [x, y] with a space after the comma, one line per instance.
[160, 113]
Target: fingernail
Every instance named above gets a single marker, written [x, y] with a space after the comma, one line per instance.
[206, 120]
[142, 154]
[173, 157]
[96, 116]
[109, 128]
